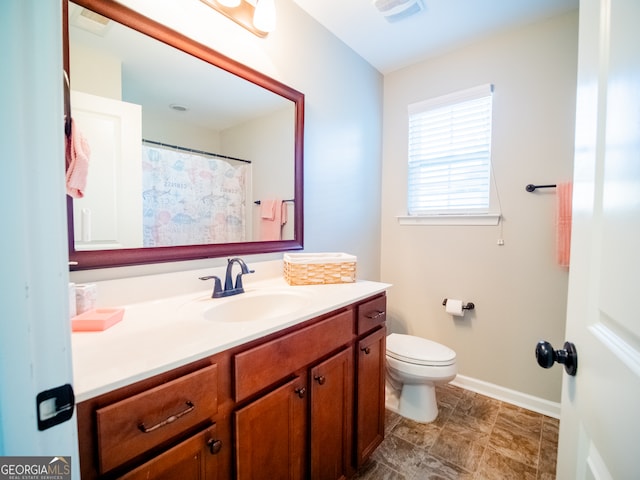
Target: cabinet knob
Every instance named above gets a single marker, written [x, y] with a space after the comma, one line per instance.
[320, 379]
[214, 445]
[301, 391]
[366, 350]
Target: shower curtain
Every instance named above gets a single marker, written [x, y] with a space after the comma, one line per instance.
[191, 199]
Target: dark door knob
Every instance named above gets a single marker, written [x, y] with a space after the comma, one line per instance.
[547, 356]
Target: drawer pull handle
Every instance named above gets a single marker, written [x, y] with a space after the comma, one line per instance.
[366, 350]
[320, 379]
[301, 391]
[214, 445]
[168, 420]
[376, 314]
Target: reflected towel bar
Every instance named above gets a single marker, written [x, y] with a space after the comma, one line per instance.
[532, 188]
[257, 202]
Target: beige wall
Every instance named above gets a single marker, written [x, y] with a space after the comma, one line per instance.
[519, 291]
[95, 72]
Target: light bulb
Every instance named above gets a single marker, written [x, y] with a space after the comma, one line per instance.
[264, 17]
[229, 3]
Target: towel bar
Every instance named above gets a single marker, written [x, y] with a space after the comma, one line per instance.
[532, 188]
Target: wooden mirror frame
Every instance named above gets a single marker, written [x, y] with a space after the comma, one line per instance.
[83, 260]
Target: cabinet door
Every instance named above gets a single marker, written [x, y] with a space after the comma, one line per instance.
[370, 394]
[331, 417]
[270, 434]
[195, 458]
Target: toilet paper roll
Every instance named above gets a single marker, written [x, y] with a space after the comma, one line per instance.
[454, 307]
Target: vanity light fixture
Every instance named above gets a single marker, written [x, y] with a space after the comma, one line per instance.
[264, 17]
[257, 16]
[229, 3]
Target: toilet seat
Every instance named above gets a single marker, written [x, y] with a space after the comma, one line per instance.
[418, 350]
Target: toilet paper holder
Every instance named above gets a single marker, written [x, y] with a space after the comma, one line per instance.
[466, 306]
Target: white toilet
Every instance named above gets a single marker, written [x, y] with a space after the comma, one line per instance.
[414, 366]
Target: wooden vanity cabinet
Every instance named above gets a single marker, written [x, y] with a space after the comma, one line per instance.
[301, 428]
[307, 402]
[323, 411]
[331, 414]
[270, 434]
[370, 394]
[194, 458]
[155, 428]
[370, 377]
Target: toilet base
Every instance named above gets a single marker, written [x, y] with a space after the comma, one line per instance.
[415, 402]
[391, 399]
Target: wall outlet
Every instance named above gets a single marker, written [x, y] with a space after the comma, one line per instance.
[500, 242]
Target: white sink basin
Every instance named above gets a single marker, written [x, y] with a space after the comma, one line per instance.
[257, 305]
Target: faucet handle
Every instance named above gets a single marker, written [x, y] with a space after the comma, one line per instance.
[217, 285]
[239, 279]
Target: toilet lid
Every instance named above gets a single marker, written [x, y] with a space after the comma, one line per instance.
[418, 350]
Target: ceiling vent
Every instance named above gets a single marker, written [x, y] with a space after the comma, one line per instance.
[394, 10]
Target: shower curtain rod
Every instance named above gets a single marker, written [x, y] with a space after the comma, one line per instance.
[192, 150]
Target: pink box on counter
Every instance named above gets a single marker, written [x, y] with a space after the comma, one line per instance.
[96, 320]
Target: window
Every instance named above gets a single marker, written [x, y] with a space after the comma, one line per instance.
[450, 154]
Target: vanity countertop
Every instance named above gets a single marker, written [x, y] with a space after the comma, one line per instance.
[159, 335]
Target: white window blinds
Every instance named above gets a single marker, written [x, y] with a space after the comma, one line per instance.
[450, 153]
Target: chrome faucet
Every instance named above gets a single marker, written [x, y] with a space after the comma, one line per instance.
[229, 287]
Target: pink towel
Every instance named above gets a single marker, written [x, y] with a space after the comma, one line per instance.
[268, 209]
[77, 153]
[271, 219]
[564, 193]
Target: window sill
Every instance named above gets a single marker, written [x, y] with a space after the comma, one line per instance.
[479, 219]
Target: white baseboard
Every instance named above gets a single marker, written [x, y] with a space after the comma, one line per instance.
[524, 400]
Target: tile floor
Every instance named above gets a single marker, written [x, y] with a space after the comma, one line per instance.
[474, 437]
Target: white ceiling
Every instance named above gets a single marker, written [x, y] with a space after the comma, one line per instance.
[441, 26]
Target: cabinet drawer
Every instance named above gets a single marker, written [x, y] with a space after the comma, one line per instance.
[265, 364]
[371, 314]
[132, 426]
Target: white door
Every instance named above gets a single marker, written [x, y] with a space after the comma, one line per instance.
[35, 337]
[600, 420]
[113, 130]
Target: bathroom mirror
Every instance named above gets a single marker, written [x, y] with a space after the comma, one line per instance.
[193, 155]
